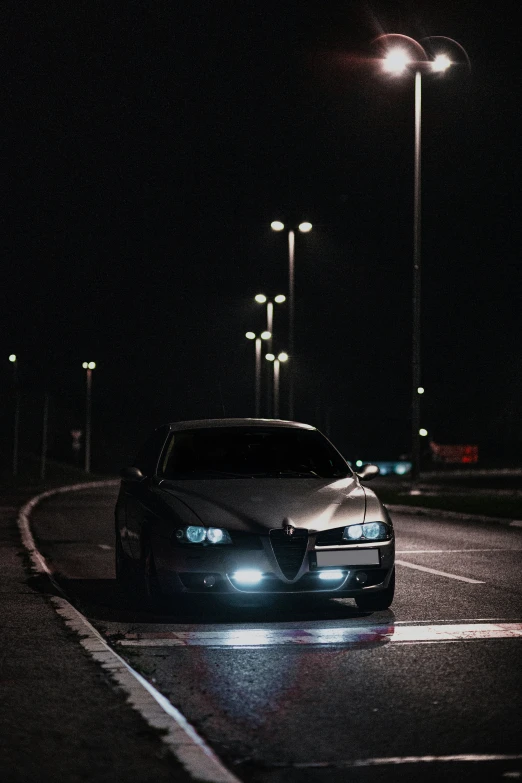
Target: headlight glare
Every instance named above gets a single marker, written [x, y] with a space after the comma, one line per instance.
[374, 530]
[195, 534]
[216, 535]
[370, 531]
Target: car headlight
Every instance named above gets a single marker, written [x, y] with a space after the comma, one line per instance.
[370, 531]
[197, 534]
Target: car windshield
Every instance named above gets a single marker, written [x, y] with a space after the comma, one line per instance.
[251, 452]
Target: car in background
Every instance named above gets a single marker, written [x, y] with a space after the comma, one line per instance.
[251, 507]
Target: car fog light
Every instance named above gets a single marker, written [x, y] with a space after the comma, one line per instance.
[247, 576]
[196, 534]
[209, 581]
[331, 575]
[361, 577]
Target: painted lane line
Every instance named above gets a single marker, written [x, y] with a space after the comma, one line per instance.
[183, 741]
[403, 634]
[106, 547]
[439, 573]
[460, 758]
[450, 551]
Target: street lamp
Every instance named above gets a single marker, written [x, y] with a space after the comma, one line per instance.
[16, 428]
[262, 299]
[304, 228]
[401, 55]
[276, 360]
[257, 377]
[88, 367]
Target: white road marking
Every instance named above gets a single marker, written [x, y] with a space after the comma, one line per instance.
[106, 547]
[439, 573]
[190, 749]
[461, 758]
[450, 551]
[258, 637]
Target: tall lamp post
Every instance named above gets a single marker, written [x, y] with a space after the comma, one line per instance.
[88, 367]
[262, 299]
[403, 54]
[16, 429]
[276, 360]
[257, 377]
[304, 228]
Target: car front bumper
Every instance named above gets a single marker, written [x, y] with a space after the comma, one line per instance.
[211, 569]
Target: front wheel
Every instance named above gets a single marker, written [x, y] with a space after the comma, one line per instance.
[377, 602]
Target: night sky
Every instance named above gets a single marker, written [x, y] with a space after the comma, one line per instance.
[148, 146]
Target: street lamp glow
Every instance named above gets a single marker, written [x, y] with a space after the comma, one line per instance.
[276, 225]
[266, 335]
[12, 357]
[85, 365]
[270, 357]
[280, 298]
[248, 335]
[420, 390]
[92, 365]
[305, 227]
[441, 63]
[283, 357]
[396, 61]
[261, 298]
[423, 432]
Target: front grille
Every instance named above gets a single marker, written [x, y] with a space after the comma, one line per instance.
[289, 550]
[330, 537]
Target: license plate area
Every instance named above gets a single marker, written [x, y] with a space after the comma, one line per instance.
[348, 557]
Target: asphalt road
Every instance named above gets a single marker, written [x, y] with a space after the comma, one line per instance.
[302, 692]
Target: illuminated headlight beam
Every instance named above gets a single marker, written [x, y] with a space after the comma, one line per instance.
[247, 576]
[333, 576]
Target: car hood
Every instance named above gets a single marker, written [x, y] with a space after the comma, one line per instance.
[254, 504]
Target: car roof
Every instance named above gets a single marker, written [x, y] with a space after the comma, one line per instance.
[198, 424]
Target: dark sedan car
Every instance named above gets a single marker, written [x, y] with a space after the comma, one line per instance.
[251, 506]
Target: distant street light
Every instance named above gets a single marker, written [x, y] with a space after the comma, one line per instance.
[88, 367]
[403, 53]
[257, 377]
[276, 361]
[16, 396]
[422, 432]
[262, 299]
[304, 228]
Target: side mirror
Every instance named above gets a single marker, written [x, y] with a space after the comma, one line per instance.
[131, 474]
[368, 472]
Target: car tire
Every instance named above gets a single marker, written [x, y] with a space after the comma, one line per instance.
[150, 593]
[377, 602]
[122, 564]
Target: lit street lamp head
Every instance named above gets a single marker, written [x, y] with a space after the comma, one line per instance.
[276, 225]
[283, 357]
[280, 298]
[305, 227]
[261, 298]
[441, 63]
[266, 335]
[248, 335]
[396, 61]
[89, 365]
[12, 357]
[270, 357]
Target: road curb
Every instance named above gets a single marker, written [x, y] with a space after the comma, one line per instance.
[180, 736]
[424, 511]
